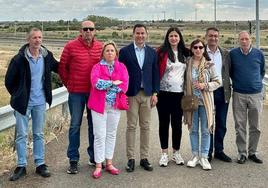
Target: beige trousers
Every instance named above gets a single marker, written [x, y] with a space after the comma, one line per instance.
[139, 112]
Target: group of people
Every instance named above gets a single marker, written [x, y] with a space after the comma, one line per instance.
[96, 74]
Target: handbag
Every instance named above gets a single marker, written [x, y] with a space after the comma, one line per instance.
[189, 103]
[122, 101]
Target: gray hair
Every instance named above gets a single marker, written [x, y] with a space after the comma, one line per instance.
[30, 32]
[241, 32]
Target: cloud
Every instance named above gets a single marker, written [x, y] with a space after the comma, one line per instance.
[130, 9]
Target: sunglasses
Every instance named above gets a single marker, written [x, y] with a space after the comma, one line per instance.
[200, 47]
[88, 28]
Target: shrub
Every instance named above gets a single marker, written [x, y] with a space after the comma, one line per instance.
[228, 41]
[115, 35]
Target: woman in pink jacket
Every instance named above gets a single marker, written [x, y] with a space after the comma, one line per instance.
[108, 78]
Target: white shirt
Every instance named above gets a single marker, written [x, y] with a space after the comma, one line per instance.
[173, 77]
[140, 54]
[217, 60]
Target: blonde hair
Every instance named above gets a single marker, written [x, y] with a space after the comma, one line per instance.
[110, 42]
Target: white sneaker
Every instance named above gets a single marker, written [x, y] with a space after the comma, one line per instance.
[163, 160]
[205, 164]
[177, 158]
[193, 162]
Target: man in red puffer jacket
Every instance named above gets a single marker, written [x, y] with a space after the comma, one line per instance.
[77, 59]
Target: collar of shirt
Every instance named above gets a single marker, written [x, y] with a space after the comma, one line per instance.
[103, 62]
[248, 51]
[137, 48]
[210, 51]
[109, 66]
[30, 56]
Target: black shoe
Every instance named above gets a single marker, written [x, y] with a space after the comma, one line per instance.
[18, 173]
[255, 159]
[73, 167]
[91, 162]
[242, 159]
[209, 157]
[223, 157]
[130, 165]
[42, 171]
[146, 165]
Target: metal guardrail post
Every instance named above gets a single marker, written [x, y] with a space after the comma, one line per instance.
[6, 117]
[265, 82]
[65, 110]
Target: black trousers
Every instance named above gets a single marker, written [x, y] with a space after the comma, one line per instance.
[169, 110]
[221, 109]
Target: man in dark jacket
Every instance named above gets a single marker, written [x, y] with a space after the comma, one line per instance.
[28, 80]
[221, 59]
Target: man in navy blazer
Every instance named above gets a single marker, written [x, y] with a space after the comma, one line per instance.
[141, 63]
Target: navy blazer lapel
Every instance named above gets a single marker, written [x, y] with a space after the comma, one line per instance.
[133, 55]
[146, 55]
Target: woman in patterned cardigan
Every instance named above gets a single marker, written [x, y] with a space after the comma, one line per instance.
[201, 81]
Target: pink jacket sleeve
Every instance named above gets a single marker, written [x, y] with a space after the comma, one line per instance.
[95, 74]
[124, 85]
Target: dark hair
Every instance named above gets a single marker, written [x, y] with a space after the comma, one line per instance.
[166, 48]
[139, 25]
[213, 29]
[205, 54]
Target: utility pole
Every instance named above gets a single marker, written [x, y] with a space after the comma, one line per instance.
[68, 29]
[195, 14]
[164, 12]
[257, 24]
[15, 27]
[42, 27]
[215, 14]
[122, 30]
[235, 31]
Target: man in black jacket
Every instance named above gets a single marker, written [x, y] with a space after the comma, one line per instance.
[28, 80]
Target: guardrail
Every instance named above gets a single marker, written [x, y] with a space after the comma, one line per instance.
[265, 80]
[60, 97]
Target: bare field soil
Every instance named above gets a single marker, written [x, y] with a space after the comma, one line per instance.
[6, 53]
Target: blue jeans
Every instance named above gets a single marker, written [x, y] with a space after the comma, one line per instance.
[38, 118]
[221, 109]
[200, 113]
[77, 103]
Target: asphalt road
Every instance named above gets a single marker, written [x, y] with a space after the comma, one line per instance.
[221, 175]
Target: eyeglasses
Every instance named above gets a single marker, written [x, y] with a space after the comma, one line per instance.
[200, 47]
[88, 28]
[215, 36]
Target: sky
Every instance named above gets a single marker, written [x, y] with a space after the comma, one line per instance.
[194, 10]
